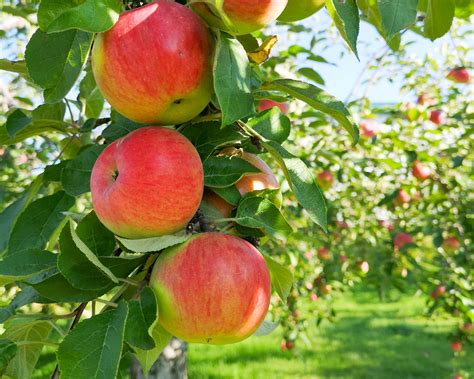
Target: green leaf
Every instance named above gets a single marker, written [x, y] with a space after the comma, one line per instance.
[88, 15]
[93, 349]
[258, 212]
[319, 100]
[271, 124]
[302, 183]
[119, 127]
[76, 175]
[52, 173]
[346, 17]
[464, 9]
[90, 95]
[18, 67]
[230, 194]
[232, 80]
[224, 171]
[55, 60]
[209, 136]
[397, 15]
[38, 222]
[142, 314]
[311, 75]
[26, 296]
[96, 236]
[24, 264]
[8, 350]
[147, 358]
[17, 121]
[281, 276]
[439, 18]
[266, 328]
[148, 245]
[23, 331]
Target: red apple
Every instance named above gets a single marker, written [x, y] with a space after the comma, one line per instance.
[213, 288]
[368, 128]
[387, 224]
[420, 171]
[438, 292]
[255, 182]
[325, 179]
[456, 346]
[268, 104]
[450, 244]
[300, 9]
[402, 239]
[290, 345]
[241, 17]
[342, 224]
[324, 254]
[467, 327]
[424, 99]
[221, 206]
[283, 346]
[402, 198]
[457, 376]
[314, 297]
[148, 183]
[343, 258]
[309, 255]
[437, 117]
[459, 75]
[155, 65]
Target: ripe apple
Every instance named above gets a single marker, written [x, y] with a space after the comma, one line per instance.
[457, 376]
[402, 198]
[290, 345]
[456, 346]
[222, 207]
[402, 239]
[314, 297]
[459, 75]
[268, 104]
[450, 244]
[155, 65]
[437, 117]
[324, 254]
[325, 179]
[363, 267]
[300, 9]
[420, 171]
[213, 288]
[148, 183]
[368, 128]
[438, 292]
[256, 182]
[241, 17]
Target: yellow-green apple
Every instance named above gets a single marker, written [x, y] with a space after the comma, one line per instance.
[368, 128]
[438, 291]
[420, 171]
[437, 117]
[213, 288]
[402, 239]
[268, 104]
[155, 65]
[300, 9]
[148, 183]
[324, 254]
[450, 244]
[459, 75]
[240, 16]
[456, 346]
[325, 179]
[402, 198]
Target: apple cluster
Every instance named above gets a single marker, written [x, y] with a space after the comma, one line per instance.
[155, 67]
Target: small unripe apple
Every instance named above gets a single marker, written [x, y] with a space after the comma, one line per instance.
[268, 104]
[420, 171]
[324, 254]
[300, 9]
[437, 117]
[154, 65]
[213, 288]
[368, 128]
[148, 183]
[363, 267]
[325, 179]
[402, 198]
[402, 239]
[456, 346]
[241, 17]
[450, 244]
[459, 75]
[438, 292]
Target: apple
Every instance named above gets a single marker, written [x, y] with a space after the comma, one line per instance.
[424, 99]
[325, 179]
[368, 128]
[324, 254]
[213, 288]
[148, 183]
[309, 285]
[363, 267]
[240, 17]
[325, 289]
[387, 224]
[459, 75]
[256, 182]
[402, 239]
[300, 9]
[450, 244]
[290, 345]
[457, 376]
[438, 292]
[437, 117]
[314, 297]
[420, 171]
[222, 207]
[456, 346]
[343, 258]
[283, 346]
[309, 255]
[268, 104]
[402, 198]
[467, 327]
[342, 224]
[155, 65]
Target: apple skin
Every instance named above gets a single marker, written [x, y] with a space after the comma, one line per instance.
[456, 346]
[324, 254]
[300, 9]
[450, 244]
[218, 203]
[438, 292]
[155, 65]
[212, 289]
[402, 239]
[402, 198]
[425, 99]
[420, 171]
[459, 75]
[268, 104]
[325, 180]
[368, 128]
[386, 224]
[244, 16]
[158, 188]
[437, 117]
[256, 182]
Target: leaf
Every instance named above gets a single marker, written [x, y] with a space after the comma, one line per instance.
[148, 245]
[266, 328]
[208, 136]
[224, 171]
[232, 80]
[8, 350]
[18, 67]
[397, 15]
[258, 212]
[24, 264]
[26, 296]
[262, 53]
[142, 314]
[271, 124]
[439, 18]
[346, 17]
[16, 121]
[281, 276]
[319, 100]
[147, 358]
[119, 127]
[94, 348]
[90, 95]
[88, 15]
[302, 183]
[52, 173]
[311, 75]
[76, 175]
[230, 194]
[96, 236]
[21, 331]
[38, 222]
[55, 60]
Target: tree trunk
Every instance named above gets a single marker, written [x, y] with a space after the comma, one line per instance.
[172, 363]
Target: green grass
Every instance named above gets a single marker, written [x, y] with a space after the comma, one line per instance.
[370, 339]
